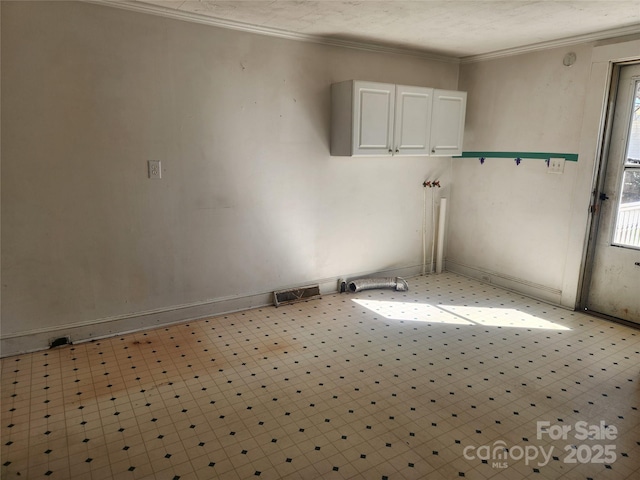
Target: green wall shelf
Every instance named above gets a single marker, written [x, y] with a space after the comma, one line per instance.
[569, 157]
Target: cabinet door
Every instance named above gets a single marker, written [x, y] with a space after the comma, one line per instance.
[412, 120]
[373, 108]
[447, 130]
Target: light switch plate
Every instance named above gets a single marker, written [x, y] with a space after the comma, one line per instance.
[556, 165]
[155, 169]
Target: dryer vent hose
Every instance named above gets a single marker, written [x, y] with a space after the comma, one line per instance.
[394, 283]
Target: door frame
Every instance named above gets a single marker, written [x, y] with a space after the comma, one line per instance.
[599, 173]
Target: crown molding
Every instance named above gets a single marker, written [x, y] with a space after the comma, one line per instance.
[271, 32]
[563, 42]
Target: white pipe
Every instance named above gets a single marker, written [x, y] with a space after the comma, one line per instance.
[433, 229]
[441, 229]
[424, 230]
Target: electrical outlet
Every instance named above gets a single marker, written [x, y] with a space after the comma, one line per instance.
[556, 165]
[155, 169]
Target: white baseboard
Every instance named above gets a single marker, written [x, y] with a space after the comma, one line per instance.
[518, 285]
[40, 339]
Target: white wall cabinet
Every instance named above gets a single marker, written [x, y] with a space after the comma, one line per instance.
[381, 119]
[373, 106]
[447, 122]
[362, 118]
[412, 120]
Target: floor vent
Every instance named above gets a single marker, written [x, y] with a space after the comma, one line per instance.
[57, 342]
[298, 294]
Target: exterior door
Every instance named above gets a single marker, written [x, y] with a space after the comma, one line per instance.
[373, 106]
[615, 273]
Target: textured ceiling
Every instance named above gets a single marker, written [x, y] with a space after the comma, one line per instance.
[457, 28]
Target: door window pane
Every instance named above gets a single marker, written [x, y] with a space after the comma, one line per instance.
[627, 232]
[628, 223]
[633, 149]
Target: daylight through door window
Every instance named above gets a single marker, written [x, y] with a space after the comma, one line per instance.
[627, 231]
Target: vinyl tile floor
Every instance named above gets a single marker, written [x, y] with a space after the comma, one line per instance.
[452, 379]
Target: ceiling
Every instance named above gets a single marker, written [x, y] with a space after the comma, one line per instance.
[452, 28]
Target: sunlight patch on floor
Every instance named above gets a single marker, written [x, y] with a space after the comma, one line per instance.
[458, 315]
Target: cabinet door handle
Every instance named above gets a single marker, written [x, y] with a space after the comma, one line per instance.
[390, 151]
[433, 150]
[397, 150]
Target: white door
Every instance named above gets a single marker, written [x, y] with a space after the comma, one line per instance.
[412, 122]
[615, 277]
[449, 109]
[373, 118]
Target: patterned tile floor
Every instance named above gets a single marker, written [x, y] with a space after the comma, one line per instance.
[445, 381]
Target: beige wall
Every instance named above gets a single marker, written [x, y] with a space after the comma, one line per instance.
[510, 223]
[250, 200]
[518, 226]
[529, 102]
